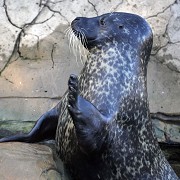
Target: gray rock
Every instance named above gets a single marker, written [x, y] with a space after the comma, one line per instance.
[163, 88]
[174, 23]
[27, 161]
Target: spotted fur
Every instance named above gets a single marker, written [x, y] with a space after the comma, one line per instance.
[114, 81]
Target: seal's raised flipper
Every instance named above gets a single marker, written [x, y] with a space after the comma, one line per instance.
[44, 129]
[89, 122]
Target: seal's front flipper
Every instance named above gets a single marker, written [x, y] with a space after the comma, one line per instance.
[90, 124]
[44, 129]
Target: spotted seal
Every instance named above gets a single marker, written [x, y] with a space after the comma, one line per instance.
[103, 127]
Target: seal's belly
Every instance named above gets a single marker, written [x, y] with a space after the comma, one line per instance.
[66, 141]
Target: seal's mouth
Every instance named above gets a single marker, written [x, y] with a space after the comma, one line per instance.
[81, 36]
[76, 30]
[77, 33]
[83, 29]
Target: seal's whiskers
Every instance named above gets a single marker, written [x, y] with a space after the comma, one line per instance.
[75, 45]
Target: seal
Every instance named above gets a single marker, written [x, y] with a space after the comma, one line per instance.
[102, 124]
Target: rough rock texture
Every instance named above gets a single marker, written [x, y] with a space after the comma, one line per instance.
[166, 127]
[27, 161]
[35, 60]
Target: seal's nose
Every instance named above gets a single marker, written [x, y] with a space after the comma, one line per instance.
[77, 19]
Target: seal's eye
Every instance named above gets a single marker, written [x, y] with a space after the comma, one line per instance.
[102, 22]
[120, 26]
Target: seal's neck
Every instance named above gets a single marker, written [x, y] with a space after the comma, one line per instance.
[124, 72]
[124, 62]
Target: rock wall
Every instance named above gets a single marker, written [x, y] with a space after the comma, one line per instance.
[35, 59]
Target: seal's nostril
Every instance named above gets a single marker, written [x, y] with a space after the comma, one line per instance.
[77, 19]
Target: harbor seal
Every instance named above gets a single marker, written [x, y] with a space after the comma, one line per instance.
[103, 122]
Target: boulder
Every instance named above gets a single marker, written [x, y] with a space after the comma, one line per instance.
[21, 161]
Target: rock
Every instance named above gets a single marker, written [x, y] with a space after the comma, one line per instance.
[170, 56]
[159, 25]
[27, 161]
[174, 23]
[166, 127]
[7, 44]
[168, 51]
[163, 88]
[8, 128]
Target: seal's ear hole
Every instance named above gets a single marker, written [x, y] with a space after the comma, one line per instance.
[120, 26]
[102, 22]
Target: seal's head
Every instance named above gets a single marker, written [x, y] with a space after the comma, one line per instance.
[118, 27]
